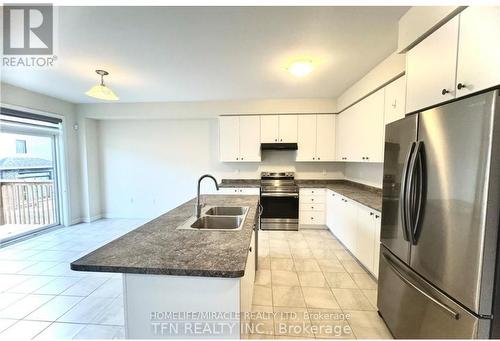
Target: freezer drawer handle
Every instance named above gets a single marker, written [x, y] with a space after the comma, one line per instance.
[445, 308]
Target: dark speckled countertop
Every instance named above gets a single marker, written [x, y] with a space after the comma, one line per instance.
[366, 195]
[231, 183]
[157, 247]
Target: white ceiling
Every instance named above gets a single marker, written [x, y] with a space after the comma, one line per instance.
[212, 53]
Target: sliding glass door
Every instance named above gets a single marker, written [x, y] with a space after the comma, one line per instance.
[29, 194]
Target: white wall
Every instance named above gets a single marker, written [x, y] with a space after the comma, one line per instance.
[205, 109]
[394, 65]
[420, 21]
[90, 177]
[388, 69]
[16, 96]
[150, 166]
[370, 174]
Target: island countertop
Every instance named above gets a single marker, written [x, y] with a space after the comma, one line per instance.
[157, 247]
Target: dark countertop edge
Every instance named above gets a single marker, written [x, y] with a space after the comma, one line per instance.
[153, 271]
[231, 183]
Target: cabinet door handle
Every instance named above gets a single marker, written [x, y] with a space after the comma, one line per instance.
[312, 207]
[319, 159]
[250, 249]
[444, 92]
[312, 199]
[377, 216]
[241, 158]
[460, 86]
[371, 213]
[281, 140]
[314, 158]
[275, 140]
[236, 158]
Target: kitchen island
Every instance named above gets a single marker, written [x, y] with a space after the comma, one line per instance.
[183, 283]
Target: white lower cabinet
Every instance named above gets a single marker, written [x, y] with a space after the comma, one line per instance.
[238, 190]
[356, 226]
[311, 206]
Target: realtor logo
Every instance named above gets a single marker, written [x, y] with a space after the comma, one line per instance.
[28, 29]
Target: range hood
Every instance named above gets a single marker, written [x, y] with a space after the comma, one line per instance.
[278, 146]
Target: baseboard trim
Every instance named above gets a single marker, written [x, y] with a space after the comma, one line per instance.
[93, 218]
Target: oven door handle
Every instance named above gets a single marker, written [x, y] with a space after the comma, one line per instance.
[293, 195]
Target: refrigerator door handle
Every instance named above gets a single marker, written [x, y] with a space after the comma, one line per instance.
[402, 195]
[398, 273]
[414, 195]
[420, 187]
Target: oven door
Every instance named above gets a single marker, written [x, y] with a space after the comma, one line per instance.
[280, 211]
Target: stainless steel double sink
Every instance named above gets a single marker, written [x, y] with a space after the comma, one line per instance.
[217, 218]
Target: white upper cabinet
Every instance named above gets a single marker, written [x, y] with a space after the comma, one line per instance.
[269, 128]
[288, 128]
[239, 138]
[343, 134]
[306, 139]
[459, 58]
[278, 128]
[229, 138]
[431, 67]
[249, 138]
[478, 65]
[394, 103]
[360, 130]
[325, 137]
[370, 123]
[316, 138]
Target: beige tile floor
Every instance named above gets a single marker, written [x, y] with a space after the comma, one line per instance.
[42, 298]
[309, 286]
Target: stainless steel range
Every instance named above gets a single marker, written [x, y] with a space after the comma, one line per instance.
[279, 197]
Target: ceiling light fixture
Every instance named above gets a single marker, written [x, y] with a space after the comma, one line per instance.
[101, 91]
[301, 68]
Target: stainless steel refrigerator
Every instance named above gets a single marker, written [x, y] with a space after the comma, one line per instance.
[438, 275]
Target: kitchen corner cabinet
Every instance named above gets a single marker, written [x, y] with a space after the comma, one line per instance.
[239, 139]
[316, 138]
[459, 58]
[278, 128]
[360, 130]
[394, 100]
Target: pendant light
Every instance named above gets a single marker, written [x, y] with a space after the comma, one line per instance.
[101, 91]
